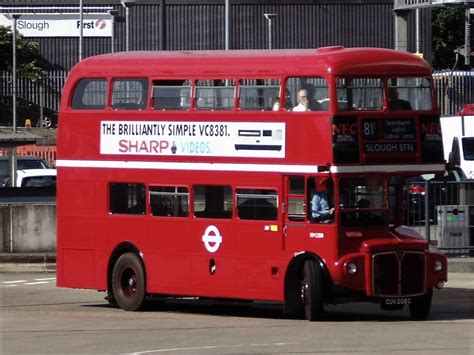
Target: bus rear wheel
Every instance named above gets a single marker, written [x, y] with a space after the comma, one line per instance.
[312, 291]
[128, 282]
[420, 306]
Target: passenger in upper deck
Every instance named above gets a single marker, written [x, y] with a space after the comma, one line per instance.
[306, 101]
[395, 103]
[303, 101]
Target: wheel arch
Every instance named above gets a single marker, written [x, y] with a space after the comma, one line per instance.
[294, 273]
[119, 250]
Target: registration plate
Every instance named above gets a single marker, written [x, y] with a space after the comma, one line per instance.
[397, 301]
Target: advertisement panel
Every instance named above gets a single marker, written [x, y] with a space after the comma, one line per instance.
[216, 139]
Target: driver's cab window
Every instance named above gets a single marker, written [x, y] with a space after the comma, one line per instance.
[321, 200]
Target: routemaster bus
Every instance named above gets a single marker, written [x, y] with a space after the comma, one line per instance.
[195, 174]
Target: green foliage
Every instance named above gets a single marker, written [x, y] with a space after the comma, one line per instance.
[29, 60]
[448, 34]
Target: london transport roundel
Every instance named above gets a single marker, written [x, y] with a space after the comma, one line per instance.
[212, 239]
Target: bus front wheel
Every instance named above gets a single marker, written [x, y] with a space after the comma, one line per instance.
[128, 282]
[312, 291]
[420, 306]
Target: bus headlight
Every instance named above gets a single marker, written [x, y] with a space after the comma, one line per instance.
[351, 268]
[438, 266]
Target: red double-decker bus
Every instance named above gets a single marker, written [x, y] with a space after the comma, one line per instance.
[249, 174]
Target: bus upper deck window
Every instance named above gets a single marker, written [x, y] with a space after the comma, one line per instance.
[409, 94]
[90, 94]
[215, 94]
[171, 95]
[129, 94]
[359, 94]
[306, 94]
[259, 94]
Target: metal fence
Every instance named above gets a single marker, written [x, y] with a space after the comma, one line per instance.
[454, 89]
[37, 97]
[443, 212]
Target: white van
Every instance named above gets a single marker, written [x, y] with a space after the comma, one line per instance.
[36, 178]
[458, 140]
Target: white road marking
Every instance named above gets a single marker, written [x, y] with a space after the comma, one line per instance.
[211, 347]
[46, 280]
[14, 282]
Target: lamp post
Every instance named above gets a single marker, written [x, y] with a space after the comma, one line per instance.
[227, 24]
[467, 36]
[81, 28]
[127, 4]
[113, 14]
[270, 18]
[13, 150]
[163, 45]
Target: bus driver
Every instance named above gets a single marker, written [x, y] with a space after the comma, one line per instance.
[320, 211]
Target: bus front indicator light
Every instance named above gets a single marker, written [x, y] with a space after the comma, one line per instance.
[351, 268]
[438, 266]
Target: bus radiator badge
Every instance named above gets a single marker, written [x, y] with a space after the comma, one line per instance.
[212, 239]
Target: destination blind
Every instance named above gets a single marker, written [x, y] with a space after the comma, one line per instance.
[392, 135]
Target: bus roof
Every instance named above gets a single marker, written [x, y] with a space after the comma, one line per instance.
[258, 63]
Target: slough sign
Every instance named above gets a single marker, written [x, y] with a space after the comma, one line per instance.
[60, 25]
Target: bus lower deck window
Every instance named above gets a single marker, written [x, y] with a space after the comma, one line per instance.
[296, 198]
[257, 204]
[127, 198]
[212, 201]
[169, 201]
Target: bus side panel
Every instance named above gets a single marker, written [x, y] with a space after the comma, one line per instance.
[77, 268]
[260, 266]
[168, 273]
[213, 269]
[76, 230]
[167, 254]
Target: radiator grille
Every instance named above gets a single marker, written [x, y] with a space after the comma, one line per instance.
[398, 273]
